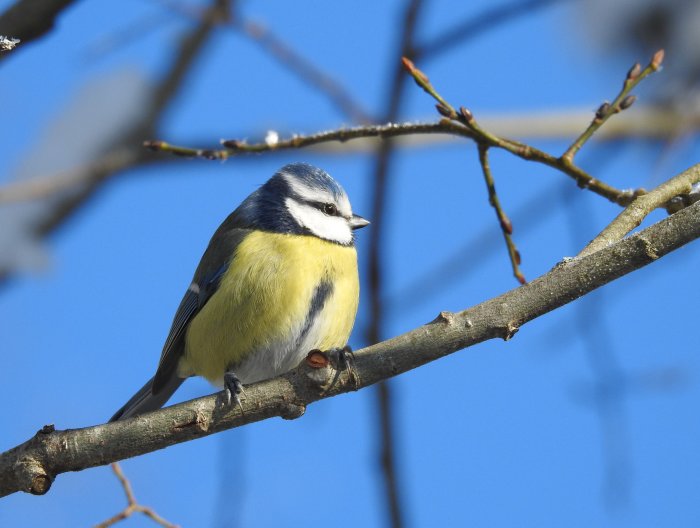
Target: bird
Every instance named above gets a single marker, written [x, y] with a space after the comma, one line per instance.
[278, 279]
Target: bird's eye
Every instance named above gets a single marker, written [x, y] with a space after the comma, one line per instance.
[330, 209]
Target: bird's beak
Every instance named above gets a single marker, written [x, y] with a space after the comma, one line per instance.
[357, 222]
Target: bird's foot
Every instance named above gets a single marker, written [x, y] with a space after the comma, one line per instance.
[340, 358]
[344, 359]
[233, 388]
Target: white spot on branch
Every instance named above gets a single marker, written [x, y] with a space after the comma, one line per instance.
[7, 43]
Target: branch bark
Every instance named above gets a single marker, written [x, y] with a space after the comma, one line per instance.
[33, 465]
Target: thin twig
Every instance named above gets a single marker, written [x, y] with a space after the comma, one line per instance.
[621, 102]
[235, 147]
[563, 163]
[132, 505]
[503, 220]
[444, 126]
[633, 214]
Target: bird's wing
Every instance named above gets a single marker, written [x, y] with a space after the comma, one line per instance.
[214, 263]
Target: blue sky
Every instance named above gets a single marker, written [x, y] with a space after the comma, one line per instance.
[502, 434]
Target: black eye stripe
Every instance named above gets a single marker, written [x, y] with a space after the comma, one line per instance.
[327, 208]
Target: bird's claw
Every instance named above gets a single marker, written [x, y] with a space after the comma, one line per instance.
[344, 359]
[232, 389]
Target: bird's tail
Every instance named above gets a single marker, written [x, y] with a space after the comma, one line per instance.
[144, 400]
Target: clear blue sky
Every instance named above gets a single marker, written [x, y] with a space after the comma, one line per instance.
[588, 417]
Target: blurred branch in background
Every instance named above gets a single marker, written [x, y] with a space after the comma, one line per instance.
[70, 190]
[475, 25]
[593, 331]
[26, 20]
[287, 57]
[380, 205]
[303, 68]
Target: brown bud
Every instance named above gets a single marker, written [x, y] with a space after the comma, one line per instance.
[627, 102]
[466, 114]
[415, 72]
[444, 111]
[506, 225]
[634, 72]
[408, 64]
[602, 110]
[153, 145]
[233, 144]
[657, 59]
[518, 260]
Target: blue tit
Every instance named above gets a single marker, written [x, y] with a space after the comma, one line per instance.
[278, 279]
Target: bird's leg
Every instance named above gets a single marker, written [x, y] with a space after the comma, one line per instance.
[343, 358]
[233, 388]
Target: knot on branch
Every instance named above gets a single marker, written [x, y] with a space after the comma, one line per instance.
[36, 479]
[292, 411]
[510, 330]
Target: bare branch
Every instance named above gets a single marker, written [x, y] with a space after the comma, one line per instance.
[503, 220]
[132, 505]
[633, 215]
[563, 163]
[621, 102]
[32, 466]
[444, 126]
[489, 19]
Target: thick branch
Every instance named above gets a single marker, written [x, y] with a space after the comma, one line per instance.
[32, 466]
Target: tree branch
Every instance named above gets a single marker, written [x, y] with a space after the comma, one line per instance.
[33, 465]
[132, 505]
[633, 214]
[30, 19]
[235, 147]
[381, 175]
[503, 221]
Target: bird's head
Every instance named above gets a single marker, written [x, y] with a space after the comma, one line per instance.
[304, 199]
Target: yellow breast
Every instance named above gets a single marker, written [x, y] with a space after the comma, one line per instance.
[254, 322]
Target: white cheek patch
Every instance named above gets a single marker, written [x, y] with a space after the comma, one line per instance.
[333, 228]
